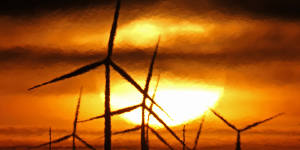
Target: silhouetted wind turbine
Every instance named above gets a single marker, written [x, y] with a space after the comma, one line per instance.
[136, 128]
[143, 105]
[107, 62]
[73, 134]
[238, 142]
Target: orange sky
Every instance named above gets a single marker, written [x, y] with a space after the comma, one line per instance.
[252, 56]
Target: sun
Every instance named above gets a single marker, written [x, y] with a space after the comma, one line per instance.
[183, 102]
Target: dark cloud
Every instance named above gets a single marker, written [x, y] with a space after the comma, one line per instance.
[287, 10]
[38, 7]
[262, 8]
[251, 8]
[45, 56]
[37, 131]
[226, 58]
[261, 66]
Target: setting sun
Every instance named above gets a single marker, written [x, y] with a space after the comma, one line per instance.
[183, 102]
[147, 75]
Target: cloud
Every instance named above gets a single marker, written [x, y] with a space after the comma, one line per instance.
[236, 57]
[259, 9]
[286, 10]
[39, 7]
[262, 67]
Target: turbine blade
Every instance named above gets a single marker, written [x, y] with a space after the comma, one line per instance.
[74, 73]
[113, 29]
[160, 138]
[117, 112]
[77, 112]
[126, 76]
[149, 76]
[84, 142]
[127, 130]
[156, 86]
[146, 89]
[198, 133]
[55, 141]
[151, 106]
[224, 120]
[165, 125]
[260, 122]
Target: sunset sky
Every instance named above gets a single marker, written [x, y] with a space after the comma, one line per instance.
[241, 58]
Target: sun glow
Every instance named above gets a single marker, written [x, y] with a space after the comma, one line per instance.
[183, 103]
[145, 32]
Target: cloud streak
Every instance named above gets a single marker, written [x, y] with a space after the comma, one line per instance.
[224, 58]
[27, 8]
[283, 10]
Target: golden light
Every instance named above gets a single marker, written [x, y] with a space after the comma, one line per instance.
[184, 102]
[144, 33]
[138, 33]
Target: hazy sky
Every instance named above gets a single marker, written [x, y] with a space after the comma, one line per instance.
[248, 48]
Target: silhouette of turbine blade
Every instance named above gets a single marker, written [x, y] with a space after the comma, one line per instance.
[260, 122]
[76, 117]
[164, 124]
[126, 76]
[149, 76]
[113, 29]
[153, 96]
[74, 73]
[146, 89]
[127, 130]
[160, 138]
[151, 106]
[156, 86]
[224, 120]
[117, 112]
[55, 141]
[198, 133]
[84, 142]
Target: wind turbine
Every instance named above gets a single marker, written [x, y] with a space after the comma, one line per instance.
[144, 106]
[73, 134]
[136, 128]
[107, 62]
[239, 131]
